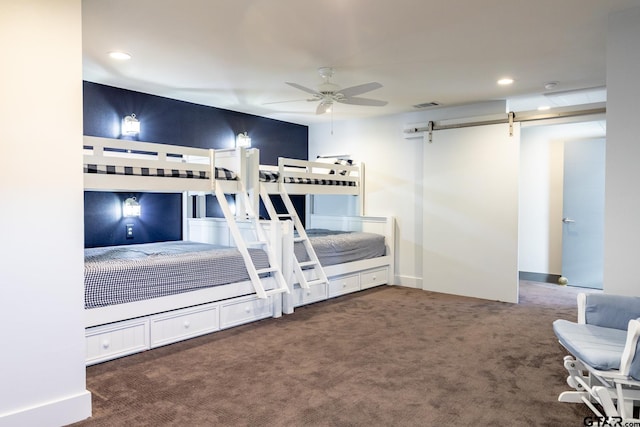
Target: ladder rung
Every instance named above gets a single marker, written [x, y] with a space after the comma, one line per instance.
[307, 264]
[256, 243]
[266, 270]
[299, 239]
[315, 282]
[287, 215]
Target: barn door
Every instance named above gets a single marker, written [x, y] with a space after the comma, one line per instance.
[470, 205]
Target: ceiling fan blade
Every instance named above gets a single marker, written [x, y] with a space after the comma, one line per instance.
[359, 89]
[363, 101]
[323, 107]
[303, 88]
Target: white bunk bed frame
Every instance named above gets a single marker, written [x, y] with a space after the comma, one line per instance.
[320, 283]
[123, 329]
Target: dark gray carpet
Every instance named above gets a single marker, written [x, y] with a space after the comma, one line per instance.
[389, 356]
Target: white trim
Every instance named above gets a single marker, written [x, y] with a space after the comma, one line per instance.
[408, 281]
[56, 412]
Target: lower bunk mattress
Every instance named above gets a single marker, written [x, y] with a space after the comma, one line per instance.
[337, 247]
[122, 274]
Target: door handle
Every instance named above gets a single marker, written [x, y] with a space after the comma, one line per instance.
[567, 220]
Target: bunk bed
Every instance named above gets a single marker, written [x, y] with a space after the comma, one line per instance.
[143, 296]
[333, 255]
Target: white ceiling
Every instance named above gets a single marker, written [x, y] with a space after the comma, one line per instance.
[238, 54]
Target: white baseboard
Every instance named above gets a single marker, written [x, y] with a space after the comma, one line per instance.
[408, 281]
[53, 413]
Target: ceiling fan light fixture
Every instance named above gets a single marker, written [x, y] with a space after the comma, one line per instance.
[324, 106]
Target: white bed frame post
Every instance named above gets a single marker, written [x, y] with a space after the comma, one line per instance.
[251, 178]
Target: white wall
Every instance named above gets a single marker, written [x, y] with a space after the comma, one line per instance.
[42, 373]
[622, 198]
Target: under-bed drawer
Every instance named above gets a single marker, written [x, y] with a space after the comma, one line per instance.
[307, 296]
[116, 340]
[344, 285]
[243, 310]
[374, 277]
[178, 325]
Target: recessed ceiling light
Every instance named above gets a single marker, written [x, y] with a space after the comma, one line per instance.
[505, 81]
[551, 85]
[121, 56]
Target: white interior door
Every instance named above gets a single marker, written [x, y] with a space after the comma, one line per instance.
[470, 222]
[583, 212]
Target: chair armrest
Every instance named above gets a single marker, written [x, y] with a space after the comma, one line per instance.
[582, 303]
[629, 364]
[609, 311]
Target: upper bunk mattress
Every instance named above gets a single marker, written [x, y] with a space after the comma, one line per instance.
[221, 173]
[337, 247]
[121, 274]
[271, 176]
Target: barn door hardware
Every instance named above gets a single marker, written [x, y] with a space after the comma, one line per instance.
[512, 115]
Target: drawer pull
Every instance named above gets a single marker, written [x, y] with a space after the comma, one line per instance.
[374, 277]
[247, 309]
[186, 324]
[106, 344]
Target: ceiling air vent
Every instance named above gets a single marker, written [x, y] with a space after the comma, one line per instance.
[426, 105]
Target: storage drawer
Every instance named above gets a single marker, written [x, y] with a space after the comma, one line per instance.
[178, 325]
[116, 340]
[307, 296]
[375, 277]
[344, 285]
[244, 310]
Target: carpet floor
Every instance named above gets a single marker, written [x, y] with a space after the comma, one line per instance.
[388, 356]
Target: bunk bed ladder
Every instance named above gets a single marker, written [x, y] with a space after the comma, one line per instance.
[261, 241]
[313, 262]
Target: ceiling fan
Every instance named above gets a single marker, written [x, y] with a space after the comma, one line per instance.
[328, 93]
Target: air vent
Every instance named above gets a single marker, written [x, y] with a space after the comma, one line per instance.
[426, 105]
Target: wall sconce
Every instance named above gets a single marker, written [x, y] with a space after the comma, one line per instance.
[130, 207]
[243, 140]
[130, 125]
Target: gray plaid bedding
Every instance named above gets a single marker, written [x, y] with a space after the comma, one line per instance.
[121, 274]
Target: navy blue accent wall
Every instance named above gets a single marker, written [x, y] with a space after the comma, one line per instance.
[169, 121]
[160, 218]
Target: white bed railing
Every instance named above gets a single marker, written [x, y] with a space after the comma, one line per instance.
[305, 169]
[306, 173]
[103, 152]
